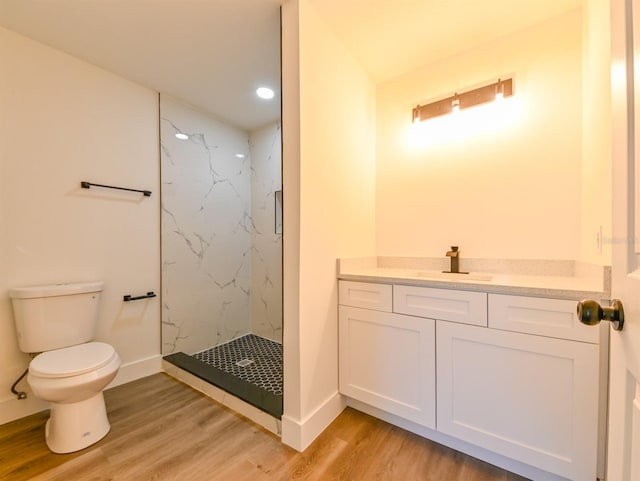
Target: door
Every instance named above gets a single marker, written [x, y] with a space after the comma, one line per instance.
[623, 446]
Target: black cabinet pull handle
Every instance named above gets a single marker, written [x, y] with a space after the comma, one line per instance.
[128, 297]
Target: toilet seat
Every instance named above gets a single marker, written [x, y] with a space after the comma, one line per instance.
[72, 361]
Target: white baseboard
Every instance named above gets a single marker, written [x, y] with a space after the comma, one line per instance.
[137, 370]
[299, 434]
[13, 408]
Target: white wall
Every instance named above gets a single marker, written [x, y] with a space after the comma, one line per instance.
[329, 186]
[503, 184]
[206, 230]
[596, 139]
[64, 121]
[266, 249]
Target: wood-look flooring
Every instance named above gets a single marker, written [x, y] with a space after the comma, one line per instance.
[164, 430]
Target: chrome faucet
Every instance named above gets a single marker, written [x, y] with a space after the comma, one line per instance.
[454, 254]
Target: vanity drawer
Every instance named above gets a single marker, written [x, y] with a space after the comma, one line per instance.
[544, 317]
[448, 305]
[365, 295]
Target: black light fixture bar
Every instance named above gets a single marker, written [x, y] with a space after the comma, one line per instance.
[464, 100]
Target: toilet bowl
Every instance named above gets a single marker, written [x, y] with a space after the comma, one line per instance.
[60, 321]
[72, 380]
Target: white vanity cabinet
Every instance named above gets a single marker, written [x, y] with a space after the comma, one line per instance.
[516, 376]
[386, 360]
[530, 398]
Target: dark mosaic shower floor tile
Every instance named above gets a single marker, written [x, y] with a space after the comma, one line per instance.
[252, 358]
[249, 367]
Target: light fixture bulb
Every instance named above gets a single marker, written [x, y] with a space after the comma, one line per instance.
[416, 115]
[265, 93]
[499, 90]
[455, 104]
[182, 136]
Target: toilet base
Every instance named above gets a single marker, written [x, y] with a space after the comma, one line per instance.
[75, 426]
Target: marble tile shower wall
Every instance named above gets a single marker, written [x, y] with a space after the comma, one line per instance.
[207, 230]
[266, 255]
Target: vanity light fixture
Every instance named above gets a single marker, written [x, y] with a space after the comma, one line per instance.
[459, 101]
[182, 136]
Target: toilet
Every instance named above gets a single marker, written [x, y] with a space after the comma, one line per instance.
[59, 322]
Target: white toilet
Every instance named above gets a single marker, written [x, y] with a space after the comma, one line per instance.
[59, 321]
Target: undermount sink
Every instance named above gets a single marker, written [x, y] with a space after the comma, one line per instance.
[450, 276]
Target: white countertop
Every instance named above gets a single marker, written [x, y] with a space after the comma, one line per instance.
[560, 282]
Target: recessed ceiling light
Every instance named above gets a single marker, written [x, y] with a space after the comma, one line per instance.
[265, 93]
[182, 136]
[240, 156]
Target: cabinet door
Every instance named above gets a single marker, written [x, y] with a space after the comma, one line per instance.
[531, 398]
[388, 361]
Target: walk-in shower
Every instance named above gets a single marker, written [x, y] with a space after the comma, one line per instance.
[222, 252]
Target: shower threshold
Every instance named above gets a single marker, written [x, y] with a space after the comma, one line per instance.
[249, 367]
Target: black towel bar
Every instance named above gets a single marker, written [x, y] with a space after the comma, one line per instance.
[128, 297]
[87, 185]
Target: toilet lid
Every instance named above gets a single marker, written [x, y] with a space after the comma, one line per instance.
[72, 361]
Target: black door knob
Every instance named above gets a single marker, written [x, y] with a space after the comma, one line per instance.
[591, 313]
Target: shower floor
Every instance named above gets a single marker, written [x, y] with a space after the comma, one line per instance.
[252, 358]
[249, 367]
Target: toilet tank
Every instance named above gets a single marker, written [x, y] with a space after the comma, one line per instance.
[55, 316]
